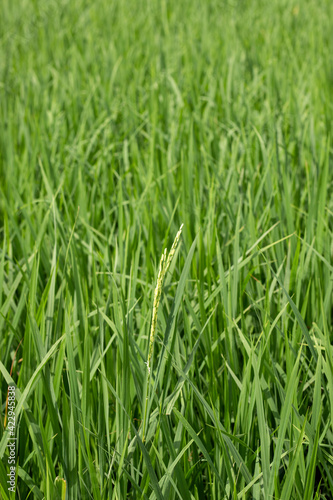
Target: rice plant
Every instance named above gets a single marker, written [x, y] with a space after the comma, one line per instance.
[205, 373]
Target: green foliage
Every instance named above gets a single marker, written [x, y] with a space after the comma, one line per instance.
[118, 122]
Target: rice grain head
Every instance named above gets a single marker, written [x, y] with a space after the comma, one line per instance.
[164, 266]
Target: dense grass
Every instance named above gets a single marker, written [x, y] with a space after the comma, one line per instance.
[118, 122]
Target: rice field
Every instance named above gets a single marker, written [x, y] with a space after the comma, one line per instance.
[166, 275]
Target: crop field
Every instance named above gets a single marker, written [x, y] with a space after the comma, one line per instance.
[166, 249]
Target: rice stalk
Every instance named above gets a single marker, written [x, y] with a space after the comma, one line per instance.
[163, 269]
